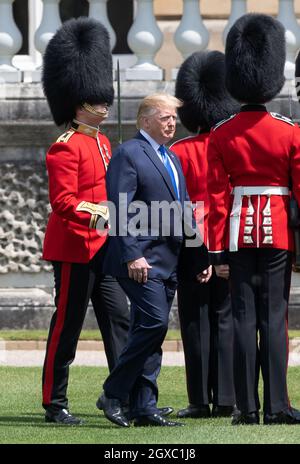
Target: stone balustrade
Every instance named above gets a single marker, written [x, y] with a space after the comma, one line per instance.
[144, 38]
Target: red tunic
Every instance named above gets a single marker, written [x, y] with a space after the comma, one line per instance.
[76, 174]
[192, 152]
[252, 148]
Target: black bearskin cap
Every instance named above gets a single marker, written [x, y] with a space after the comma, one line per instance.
[255, 58]
[77, 68]
[200, 84]
[297, 75]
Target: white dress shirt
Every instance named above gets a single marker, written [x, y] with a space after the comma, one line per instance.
[155, 147]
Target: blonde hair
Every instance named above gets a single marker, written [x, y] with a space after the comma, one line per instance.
[152, 103]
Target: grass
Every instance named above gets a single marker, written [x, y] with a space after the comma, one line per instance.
[22, 420]
[294, 333]
[40, 335]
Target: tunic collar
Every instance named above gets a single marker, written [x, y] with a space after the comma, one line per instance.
[84, 128]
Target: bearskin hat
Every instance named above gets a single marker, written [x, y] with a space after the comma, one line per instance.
[77, 68]
[200, 84]
[297, 75]
[255, 58]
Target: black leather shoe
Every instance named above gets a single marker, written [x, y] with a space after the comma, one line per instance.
[251, 418]
[288, 416]
[155, 420]
[165, 411]
[62, 417]
[194, 412]
[112, 410]
[224, 411]
[161, 411]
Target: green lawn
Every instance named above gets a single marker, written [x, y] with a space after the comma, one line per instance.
[87, 334]
[22, 421]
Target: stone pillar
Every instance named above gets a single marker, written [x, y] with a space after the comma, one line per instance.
[286, 15]
[49, 24]
[10, 43]
[98, 10]
[238, 8]
[35, 17]
[191, 34]
[145, 39]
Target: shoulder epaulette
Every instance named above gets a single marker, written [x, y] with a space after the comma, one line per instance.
[181, 140]
[65, 137]
[219, 124]
[282, 118]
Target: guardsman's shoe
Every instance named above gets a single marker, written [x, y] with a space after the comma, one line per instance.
[194, 412]
[62, 416]
[250, 418]
[224, 411]
[290, 416]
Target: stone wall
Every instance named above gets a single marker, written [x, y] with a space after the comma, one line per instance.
[23, 215]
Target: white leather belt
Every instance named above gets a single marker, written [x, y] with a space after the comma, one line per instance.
[235, 215]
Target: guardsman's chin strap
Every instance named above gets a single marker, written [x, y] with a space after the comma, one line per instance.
[104, 112]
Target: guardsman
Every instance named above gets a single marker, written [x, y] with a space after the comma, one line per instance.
[252, 157]
[294, 210]
[204, 308]
[77, 81]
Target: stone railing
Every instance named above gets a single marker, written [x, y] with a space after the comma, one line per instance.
[144, 38]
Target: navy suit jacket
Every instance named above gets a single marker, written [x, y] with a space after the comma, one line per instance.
[136, 170]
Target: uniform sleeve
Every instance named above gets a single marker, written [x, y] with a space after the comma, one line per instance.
[63, 171]
[219, 203]
[295, 164]
[194, 257]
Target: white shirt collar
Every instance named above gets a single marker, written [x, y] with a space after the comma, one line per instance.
[152, 142]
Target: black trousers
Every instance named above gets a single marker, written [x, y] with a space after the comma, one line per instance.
[260, 285]
[75, 285]
[207, 335]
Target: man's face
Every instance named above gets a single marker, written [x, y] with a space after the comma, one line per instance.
[161, 126]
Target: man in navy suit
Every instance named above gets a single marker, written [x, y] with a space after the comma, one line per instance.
[144, 258]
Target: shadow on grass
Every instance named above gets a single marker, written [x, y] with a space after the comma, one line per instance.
[24, 420]
[77, 414]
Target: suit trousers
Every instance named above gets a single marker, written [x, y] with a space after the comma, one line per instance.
[260, 284]
[207, 334]
[135, 375]
[75, 285]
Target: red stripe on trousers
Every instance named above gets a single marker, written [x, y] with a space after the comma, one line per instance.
[59, 324]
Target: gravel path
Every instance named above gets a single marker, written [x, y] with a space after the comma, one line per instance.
[94, 358]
